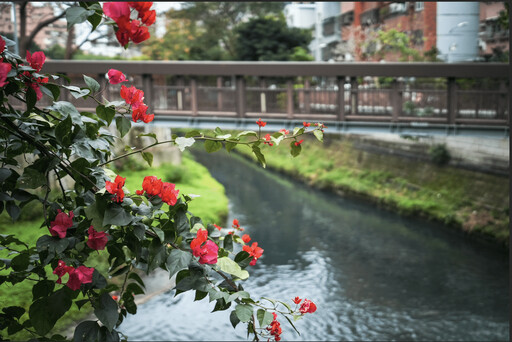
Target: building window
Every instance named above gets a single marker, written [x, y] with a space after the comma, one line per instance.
[419, 6]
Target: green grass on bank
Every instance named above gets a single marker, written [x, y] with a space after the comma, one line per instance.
[473, 201]
[190, 178]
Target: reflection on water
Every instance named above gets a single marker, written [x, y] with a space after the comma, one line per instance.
[372, 274]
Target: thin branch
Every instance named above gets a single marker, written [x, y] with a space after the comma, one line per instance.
[43, 24]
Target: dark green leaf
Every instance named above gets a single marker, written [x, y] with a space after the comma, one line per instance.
[80, 303]
[200, 295]
[221, 305]
[66, 108]
[45, 311]
[230, 146]
[151, 135]
[86, 331]
[106, 113]
[63, 129]
[54, 89]
[137, 278]
[13, 210]
[134, 288]
[4, 174]
[244, 312]
[77, 15]
[43, 288]
[116, 215]
[264, 317]
[92, 83]
[233, 318]
[148, 157]
[123, 125]
[177, 260]
[20, 262]
[212, 146]
[106, 311]
[261, 158]
[181, 221]
[228, 242]
[14, 311]
[31, 98]
[295, 150]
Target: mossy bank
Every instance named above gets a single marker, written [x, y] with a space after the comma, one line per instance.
[475, 202]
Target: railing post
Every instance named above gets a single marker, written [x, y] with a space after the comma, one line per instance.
[353, 95]
[193, 96]
[289, 97]
[395, 100]
[307, 97]
[340, 81]
[179, 93]
[240, 96]
[502, 100]
[451, 103]
[263, 96]
[147, 83]
[219, 93]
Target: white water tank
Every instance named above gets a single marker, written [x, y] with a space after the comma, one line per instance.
[457, 31]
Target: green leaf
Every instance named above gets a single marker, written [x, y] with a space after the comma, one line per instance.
[20, 262]
[261, 158]
[115, 214]
[77, 92]
[95, 215]
[14, 311]
[177, 260]
[200, 295]
[45, 311]
[239, 294]
[137, 278]
[230, 145]
[31, 98]
[181, 221]
[31, 179]
[151, 135]
[148, 157]
[227, 265]
[66, 108]
[123, 125]
[264, 317]
[62, 130]
[295, 150]
[106, 311]
[192, 133]
[92, 83]
[43, 288]
[77, 15]
[86, 331]
[106, 113]
[247, 133]
[184, 143]
[13, 210]
[212, 146]
[298, 130]
[134, 288]
[244, 312]
[233, 318]
[54, 89]
[319, 135]
[228, 242]
[4, 174]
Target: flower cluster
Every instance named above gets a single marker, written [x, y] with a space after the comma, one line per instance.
[236, 225]
[61, 224]
[261, 123]
[306, 307]
[275, 328]
[116, 188]
[77, 276]
[267, 140]
[134, 97]
[203, 248]
[155, 187]
[4, 67]
[254, 251]
[36, 61]
[128, 29]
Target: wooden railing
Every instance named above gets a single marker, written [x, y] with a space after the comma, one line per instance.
[462, 93]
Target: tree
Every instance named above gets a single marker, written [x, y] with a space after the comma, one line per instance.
[269, 39]
[147, 229]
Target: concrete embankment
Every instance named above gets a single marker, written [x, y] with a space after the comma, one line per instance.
[469, 192]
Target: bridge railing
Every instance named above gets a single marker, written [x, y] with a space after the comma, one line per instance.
[462, 93]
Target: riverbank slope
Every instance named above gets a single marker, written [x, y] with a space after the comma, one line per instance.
[475, 202]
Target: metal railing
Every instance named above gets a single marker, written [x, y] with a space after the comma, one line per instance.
[454, 94]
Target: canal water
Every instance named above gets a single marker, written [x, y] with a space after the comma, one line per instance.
[373, 274]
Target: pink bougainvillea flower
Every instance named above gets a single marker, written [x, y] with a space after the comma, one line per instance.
[116, 188]
[205, 249]
[116, 76]
[306, 124]
[169, 194]
[79, 276]
[267, 140]
[36, 60]
[254, 251]
[297, 143]
[246, 238]
[4, 70]
[132, 95]
[61, 224]
[297, 300]
[61, 270]
[236, 224]
[261, 123]
[218, 227]
[2, 45]
[284, 131]
[152, 185]
[97, 240]
[116, 10]
[307, 307]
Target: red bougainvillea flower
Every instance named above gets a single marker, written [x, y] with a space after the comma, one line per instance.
[297, 143]
[2, 45]
[116, 10]
[218, 227]
[115, 298]
[36, 60]
[254, 251]
[139, 113]
[306, 124]
[4, 70]
[97, 240]
[261, 123]
[284, 131]
[116, 188]
[307, 307]
[235, 224]
[61, 270]
[79, 276]
[141, 6]
[152, 185]
[138, 33]
[297, 300]
[169, 194]
[148, 17]
[205, 249]
[267, 140]
[116, 76]
[61, 224]
[132, 95]
[275, 328]
[246, 238]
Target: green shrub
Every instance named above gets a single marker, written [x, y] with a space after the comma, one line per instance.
[439, 154]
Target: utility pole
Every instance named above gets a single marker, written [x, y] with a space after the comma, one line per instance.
[15, 27]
